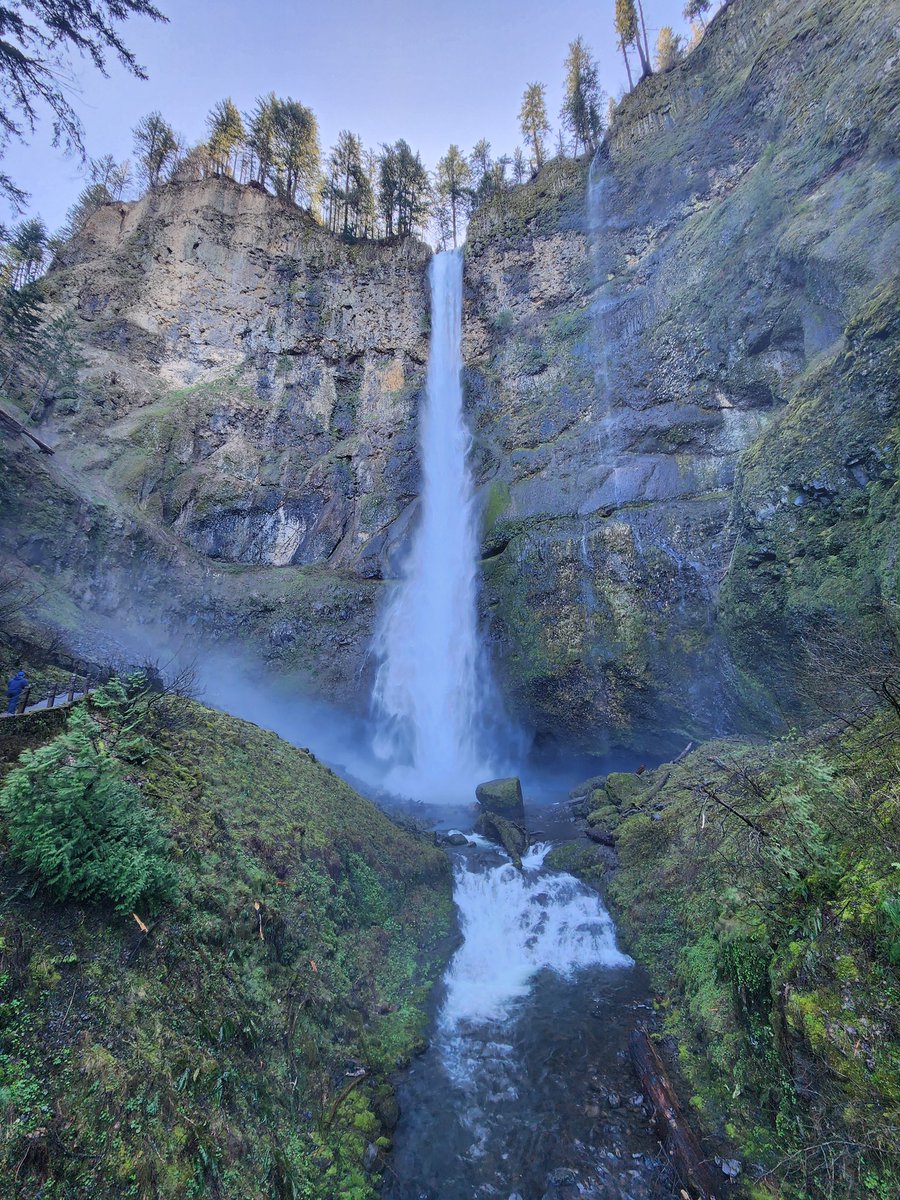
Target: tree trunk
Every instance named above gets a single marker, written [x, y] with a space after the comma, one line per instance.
[640, 9]
[645, 61]
[627, 67]
[676, 1135]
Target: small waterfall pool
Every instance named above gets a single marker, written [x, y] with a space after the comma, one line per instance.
[526, 1078]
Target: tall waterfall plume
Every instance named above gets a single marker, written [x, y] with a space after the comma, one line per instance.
[434, 705]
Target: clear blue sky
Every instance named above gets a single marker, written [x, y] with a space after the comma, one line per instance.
[431, 73]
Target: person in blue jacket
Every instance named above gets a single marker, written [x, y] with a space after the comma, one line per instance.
[14, 690]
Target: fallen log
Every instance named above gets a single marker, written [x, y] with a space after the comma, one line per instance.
[677, 1137]
[6, 418]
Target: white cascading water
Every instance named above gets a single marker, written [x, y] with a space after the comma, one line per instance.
[433, 688]
[515, 924]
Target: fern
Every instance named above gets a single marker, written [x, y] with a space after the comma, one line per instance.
[81, 826]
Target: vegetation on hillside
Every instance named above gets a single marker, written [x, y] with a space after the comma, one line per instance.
[234, 1037]
[760, 883]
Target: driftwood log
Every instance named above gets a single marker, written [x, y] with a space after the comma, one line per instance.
[677, 1137]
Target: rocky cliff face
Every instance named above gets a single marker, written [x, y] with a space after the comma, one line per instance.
[673, 449]
[257, 376]
[240, 460]
[633, 332]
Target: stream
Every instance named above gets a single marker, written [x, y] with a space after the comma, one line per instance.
[526, 1090]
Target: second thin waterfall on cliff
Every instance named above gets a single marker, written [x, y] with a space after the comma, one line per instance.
[433, 698]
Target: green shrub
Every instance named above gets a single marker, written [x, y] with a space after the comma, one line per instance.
[75, 820]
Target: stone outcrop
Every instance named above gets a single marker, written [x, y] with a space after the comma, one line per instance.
[256, 377]
[633, 332]
[239, 463]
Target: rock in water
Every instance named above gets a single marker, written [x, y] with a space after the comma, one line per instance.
[513, 838]
[502, 796]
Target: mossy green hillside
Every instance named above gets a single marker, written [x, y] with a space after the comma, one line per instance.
[759, 883]
[243, 1046]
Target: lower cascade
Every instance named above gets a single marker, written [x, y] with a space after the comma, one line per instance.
[528, 1043]
[433, 691]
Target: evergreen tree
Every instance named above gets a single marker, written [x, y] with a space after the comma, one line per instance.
[454, 177]
[694, 10]
[261, 138]
[74, 819]
[155, 147]
[480, 159]
[55, 361]
[533, 122]
[226, 133]
[21, 297]
[345, 188]
[296, 150]
[582, 105]
[519, 165]
[27, 251]
[403, 190]
[669, 49]
[35, 37]
[627, 29]
[92, 198]
[114, 177]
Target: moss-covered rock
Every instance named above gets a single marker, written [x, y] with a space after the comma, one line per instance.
[663, 319]
[513, 838]
[503, 797]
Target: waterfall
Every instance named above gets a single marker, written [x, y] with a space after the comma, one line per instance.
[516, 923]
[433, 691]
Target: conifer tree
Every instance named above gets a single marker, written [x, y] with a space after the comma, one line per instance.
[403, 191]
[92, 198]
[669, 49]
[533, 122]
[519, 165]
[115, 177]
[480, 159]
[261, 138]
[344, 180]
[35, 38]
[454, 176]
[694, 10]
[155, 147]
[296, 149]
[627, 29]
[226, 133]
[581, 108]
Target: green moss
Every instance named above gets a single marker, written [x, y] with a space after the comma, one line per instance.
[215, 1052]
[604, 815]
[769, 945]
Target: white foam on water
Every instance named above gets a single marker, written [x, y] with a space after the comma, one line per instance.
[515, 924]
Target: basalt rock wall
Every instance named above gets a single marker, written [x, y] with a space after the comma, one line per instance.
[636, 329]
[238, 460]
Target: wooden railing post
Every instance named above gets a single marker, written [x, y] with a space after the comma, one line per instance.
[71, 693]
[23, 700]
[51, 695]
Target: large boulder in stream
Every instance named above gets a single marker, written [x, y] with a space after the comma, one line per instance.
[513, 838]
[502, 796]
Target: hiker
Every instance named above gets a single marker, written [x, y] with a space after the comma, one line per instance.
[14, 690]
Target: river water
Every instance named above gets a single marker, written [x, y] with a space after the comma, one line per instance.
[526, 1079]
